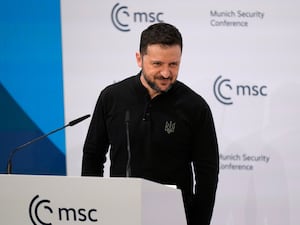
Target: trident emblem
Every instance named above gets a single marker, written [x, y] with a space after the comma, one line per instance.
[170, 127]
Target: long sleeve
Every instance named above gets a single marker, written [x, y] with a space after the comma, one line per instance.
[96, 143]
[206, 168]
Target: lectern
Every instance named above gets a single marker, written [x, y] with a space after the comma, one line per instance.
[55, 200]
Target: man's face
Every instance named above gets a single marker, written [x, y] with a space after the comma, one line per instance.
[160, 67]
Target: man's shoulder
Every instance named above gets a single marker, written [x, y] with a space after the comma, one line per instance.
[122, 83]
[120, 86]
[187, 93]
[189, 98]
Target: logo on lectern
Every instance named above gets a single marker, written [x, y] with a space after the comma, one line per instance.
[34, 210]
[41, 213]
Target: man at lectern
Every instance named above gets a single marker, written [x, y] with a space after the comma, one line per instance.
[157, 128]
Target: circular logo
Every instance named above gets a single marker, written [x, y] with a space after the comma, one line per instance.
[220, 87]
[117, 13]
[35, 209]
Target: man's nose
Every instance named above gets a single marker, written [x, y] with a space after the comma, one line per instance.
[165, 72]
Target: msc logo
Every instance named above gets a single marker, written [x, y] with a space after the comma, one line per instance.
[122, 18]
[224, 90]
[40, 211]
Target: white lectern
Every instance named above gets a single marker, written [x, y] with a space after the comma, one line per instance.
[52, 200]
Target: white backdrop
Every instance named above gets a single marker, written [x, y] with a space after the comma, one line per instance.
[241, 56]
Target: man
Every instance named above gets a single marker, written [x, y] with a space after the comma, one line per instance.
[171, 127]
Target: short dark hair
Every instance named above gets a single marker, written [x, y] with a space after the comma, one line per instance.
[160, 33]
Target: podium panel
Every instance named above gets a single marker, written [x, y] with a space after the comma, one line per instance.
[51, 200]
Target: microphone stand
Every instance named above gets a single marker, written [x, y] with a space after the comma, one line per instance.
[128, 166]
[12, 153]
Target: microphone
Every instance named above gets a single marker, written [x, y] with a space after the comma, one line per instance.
[74, 122]
[128, 166]
[12, 153]
[146, 114]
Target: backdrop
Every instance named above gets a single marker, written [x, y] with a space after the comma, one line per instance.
[241, 56]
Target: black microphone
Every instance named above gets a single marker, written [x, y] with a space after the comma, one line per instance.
[146, 114]
[128, 166]
[12, 153]
[74, 122]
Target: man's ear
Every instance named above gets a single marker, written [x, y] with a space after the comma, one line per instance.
[138, 57]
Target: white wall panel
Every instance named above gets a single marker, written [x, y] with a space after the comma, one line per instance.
[258, 129]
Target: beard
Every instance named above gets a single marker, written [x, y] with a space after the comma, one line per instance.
[153, 85]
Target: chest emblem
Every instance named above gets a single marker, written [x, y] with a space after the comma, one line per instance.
[170, 127]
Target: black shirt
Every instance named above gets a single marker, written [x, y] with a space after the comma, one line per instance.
[169, 135]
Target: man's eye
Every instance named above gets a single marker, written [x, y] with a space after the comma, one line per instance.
[157, 63]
